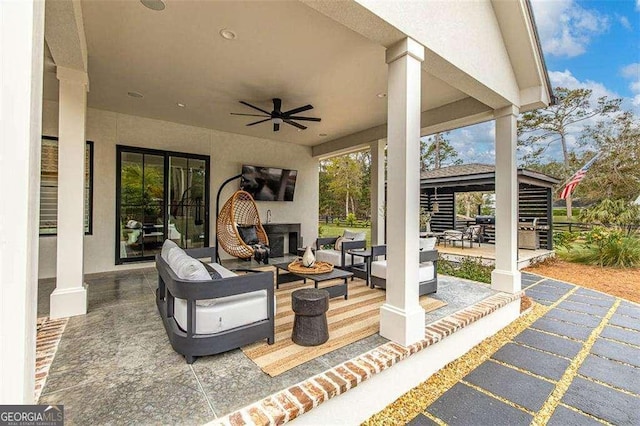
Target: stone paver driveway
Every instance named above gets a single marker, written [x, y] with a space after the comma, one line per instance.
[579, 364]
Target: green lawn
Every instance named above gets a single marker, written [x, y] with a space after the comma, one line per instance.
[336, 231]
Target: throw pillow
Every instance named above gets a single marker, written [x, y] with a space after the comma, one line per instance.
[248, 234]
[338, 244]
[215, 275]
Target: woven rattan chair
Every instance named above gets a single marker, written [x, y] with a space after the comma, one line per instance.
[239, 210]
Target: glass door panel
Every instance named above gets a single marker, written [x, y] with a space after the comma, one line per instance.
[153, 204]
[161, 195]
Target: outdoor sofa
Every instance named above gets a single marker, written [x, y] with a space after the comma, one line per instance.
[204, 315]
[428, 276]
[334, 249]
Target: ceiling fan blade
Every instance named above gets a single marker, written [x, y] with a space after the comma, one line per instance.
[277, 104]
[250, 115]
[294, 124]
[297, 110]
[255, 107]
[258, 122]
[276, 127]
[291, 117]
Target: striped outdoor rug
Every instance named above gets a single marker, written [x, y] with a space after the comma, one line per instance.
[349, 321]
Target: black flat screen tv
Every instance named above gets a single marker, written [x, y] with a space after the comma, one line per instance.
[268, 183]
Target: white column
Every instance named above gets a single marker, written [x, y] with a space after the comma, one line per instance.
[21, 60]
[377, 191]
[70, 296]
[402, 317]
[506, 277]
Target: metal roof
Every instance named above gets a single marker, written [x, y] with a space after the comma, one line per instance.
[474, 175]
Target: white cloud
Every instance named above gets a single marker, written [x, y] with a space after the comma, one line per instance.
[567, 79]
[624, 21]
[638, 5]
[565, 27]
[631, 72]
[475, 144]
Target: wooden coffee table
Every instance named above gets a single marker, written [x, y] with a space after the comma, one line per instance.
[334, 290]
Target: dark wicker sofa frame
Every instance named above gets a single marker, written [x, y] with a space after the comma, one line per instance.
[426, 287]
[187, 342]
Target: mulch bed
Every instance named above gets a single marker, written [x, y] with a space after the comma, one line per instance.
[624, 283]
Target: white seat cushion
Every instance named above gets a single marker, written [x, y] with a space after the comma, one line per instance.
[379, 269]
[334, 257]
[225, 313]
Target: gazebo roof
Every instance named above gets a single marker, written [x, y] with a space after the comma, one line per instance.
[478, 177]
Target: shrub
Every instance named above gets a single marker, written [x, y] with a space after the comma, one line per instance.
[564, 239]
[471, 269]
[605, 247]
[351, 219]
[320, 230]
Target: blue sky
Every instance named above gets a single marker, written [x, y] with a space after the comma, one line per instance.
[592, 44]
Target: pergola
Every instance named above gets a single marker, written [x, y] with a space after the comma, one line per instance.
[535, 199]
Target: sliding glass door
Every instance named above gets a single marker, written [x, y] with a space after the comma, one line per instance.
[160, 195]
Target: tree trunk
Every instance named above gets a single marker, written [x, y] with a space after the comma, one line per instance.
[565, 156]
[346, 205]
[437, 152]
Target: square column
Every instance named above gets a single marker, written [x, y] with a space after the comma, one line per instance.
[377, 192]
[402, 317]
[21, 62]
[70, 296]
[506, 277]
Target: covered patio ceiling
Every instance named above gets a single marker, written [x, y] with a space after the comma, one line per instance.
[282, 49]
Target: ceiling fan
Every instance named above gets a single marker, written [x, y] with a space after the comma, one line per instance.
[277, 116]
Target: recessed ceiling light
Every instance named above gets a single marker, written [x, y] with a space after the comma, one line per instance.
[322, 134]
[181, 105]
[381, 95]
[153, 4]
[135, 94]
[227, 34]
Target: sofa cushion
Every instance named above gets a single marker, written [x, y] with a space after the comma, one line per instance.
[224, 272]
[224, 313]
[166, 247]
[338, 244]
[379, 269]
[186, 267]
[334, 257]
[428, 243]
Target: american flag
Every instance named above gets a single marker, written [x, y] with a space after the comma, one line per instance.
[575, 179]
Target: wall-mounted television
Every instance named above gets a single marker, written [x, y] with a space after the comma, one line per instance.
[268, 183]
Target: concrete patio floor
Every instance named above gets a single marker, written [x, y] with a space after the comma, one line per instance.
[585, 351]
[115, 364]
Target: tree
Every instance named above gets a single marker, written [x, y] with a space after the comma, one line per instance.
[437, 152]
[467, 203]
[616, 174]
[345, 179]
[538, 129]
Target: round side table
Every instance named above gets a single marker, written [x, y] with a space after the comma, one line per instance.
[310, 306]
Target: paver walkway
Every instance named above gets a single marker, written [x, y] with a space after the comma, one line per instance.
[579, 364]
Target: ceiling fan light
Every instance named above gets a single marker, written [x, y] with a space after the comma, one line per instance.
[277, 120]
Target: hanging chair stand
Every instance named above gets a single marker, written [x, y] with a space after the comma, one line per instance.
[231, 179]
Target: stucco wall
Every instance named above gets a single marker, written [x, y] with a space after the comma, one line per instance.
[464, 33]
[227, 151]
